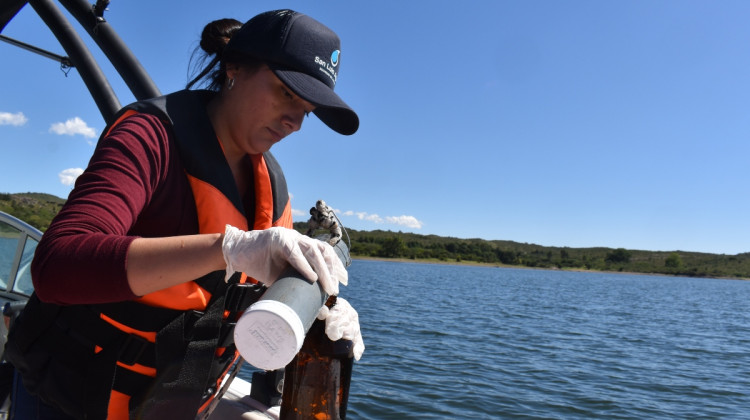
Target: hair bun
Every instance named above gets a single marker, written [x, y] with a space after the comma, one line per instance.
[216, 34]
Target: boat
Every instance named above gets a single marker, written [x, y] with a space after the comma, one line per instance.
[19, 237]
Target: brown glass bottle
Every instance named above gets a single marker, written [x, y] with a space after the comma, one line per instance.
[316, 382]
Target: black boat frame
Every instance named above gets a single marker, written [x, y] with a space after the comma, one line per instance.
[91, 18]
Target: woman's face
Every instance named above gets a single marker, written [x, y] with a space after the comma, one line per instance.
[260, 109]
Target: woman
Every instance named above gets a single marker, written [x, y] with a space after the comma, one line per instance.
[141, 273]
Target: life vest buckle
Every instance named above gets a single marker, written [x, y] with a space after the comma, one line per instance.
[131, 351]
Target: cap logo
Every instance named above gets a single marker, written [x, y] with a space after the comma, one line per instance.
[335, 58]
[329, 68]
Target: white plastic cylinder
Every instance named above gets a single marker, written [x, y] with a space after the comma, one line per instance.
[269, 334]
[271, 331]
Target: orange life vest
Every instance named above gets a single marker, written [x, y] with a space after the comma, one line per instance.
[164, 354]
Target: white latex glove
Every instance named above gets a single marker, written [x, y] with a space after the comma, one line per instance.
[264, 254]
[342, 321]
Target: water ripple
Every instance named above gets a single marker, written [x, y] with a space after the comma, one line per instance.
[449, 342]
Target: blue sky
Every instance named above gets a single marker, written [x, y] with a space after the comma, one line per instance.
[561, 123]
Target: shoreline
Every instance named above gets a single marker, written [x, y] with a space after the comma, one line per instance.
[520, 267]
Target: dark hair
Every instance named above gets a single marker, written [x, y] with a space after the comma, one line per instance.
[214, 38]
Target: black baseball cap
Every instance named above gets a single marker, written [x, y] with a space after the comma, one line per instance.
[305, 55]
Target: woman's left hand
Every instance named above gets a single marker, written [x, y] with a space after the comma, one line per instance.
[342, 321]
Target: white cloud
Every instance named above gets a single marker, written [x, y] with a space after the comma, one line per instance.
[404, 220]
[369, 217]
[407, 221]
[17, 119]
[72, 127]
[68, 176]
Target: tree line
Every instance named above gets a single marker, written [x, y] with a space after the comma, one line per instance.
[39, 209]
[416, 247]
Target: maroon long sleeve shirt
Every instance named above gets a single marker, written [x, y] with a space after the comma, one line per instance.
[134, 186]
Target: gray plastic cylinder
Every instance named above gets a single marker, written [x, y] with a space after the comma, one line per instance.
[270, 333]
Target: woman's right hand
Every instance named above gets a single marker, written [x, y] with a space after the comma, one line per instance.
[264, 254]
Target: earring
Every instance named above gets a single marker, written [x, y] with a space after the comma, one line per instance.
[230, 84]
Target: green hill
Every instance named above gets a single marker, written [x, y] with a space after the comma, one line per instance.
[39, 209]
[36, 209]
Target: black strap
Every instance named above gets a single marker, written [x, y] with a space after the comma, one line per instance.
[184, 370]
[241, 295]
[129, 382]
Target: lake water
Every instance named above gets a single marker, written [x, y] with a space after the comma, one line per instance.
[459, 342]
